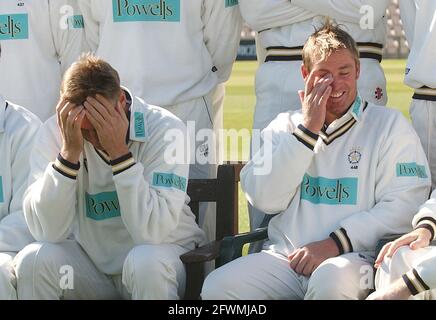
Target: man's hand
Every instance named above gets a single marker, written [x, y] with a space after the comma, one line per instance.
[110, 123]
[397, 291]
[314, 100]
[69, 118]
[416, 239]
[306, 259]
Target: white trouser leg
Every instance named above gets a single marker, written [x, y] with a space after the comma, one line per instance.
[349, 276]
[404, 260]
[8, 281]
[423, 114]
[203, 158]
[218, 120]
[60, 271]
[257, 276]
[155, 272]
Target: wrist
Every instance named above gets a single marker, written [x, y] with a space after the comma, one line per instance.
[118, 152]
[332, 247]
[70, 156]
[311, 127]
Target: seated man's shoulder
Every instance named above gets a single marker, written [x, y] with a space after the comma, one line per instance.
[19, 118]
[156, 118]
[286, 121]
[388, 117]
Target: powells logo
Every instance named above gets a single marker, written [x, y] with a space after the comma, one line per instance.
[14, 27]
[411, 169]
[329, 191]
[169, 180]
[146, 10]
[102, 206]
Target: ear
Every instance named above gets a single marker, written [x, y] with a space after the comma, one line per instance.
[357, 69]
[123, 100]
[304, 72]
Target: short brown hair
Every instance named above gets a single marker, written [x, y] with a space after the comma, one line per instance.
[90, 76]
[326, 40]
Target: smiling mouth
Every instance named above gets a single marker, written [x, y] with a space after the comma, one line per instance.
[337, 95]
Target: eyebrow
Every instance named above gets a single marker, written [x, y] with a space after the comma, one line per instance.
[348, 66]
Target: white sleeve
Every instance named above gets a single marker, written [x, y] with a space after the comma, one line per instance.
[152, 192]
[402, 185]
[92, 25]
[348, 11]
[14, 233]
[265, 14]
[408, 18]
[271, 178]
[68, 31]
[50, 200]
[426, 215]
[222, 32]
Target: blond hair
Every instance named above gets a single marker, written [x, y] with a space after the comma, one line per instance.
[90, 76]
[326, 40]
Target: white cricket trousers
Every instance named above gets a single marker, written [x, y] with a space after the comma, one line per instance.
[64, 271]
[405, 259]
[268, 276]
[7, 276]
[198, 115]
[423, 114]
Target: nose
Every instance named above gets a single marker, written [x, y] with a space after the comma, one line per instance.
[86, 124]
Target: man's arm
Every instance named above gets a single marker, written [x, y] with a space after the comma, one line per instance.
[14, 233]
[265, 14]
[222, 32]
[152, 189]
[50, 201]
[397, 194]
[349, 11]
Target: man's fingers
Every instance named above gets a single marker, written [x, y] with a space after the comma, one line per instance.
[310, 83]
[301, 95]
[65, 111]
[97, 116]
[325, 96]
[95, 104]
[302, 264]
[404, 240]
[72, 115]
[97, 124]
[308, 269]
[106, 103]
[418, 244]
[296, 259]
[79, 119]
[382, 254]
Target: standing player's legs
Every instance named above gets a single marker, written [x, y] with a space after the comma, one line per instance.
[423, 114]
[60, 271]
[347, 277]
[404, 260]
[155, 272]
[198, 116]
[218, 120]
[8, 281]
[372, 82]
[257, 276]
[277, 85]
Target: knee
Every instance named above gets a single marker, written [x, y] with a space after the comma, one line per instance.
[335, 281]
[145, 262]
[37, 257]
[217, 286]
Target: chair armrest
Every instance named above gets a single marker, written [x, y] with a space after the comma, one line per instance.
[231, 246]
[204, 253]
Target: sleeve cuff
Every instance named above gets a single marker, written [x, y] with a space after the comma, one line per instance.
[122, 163]
[429, 224]
[414, 282]
[305, 136]
[66, 168]
[341, 239]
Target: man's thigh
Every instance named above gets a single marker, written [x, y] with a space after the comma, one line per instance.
[257, 276]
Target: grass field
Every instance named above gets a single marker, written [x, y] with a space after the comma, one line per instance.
[240, 100]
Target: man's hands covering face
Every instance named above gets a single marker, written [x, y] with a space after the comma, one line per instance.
[69, 118]
[111, 125]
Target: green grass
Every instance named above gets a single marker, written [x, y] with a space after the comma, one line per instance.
[240, 100]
